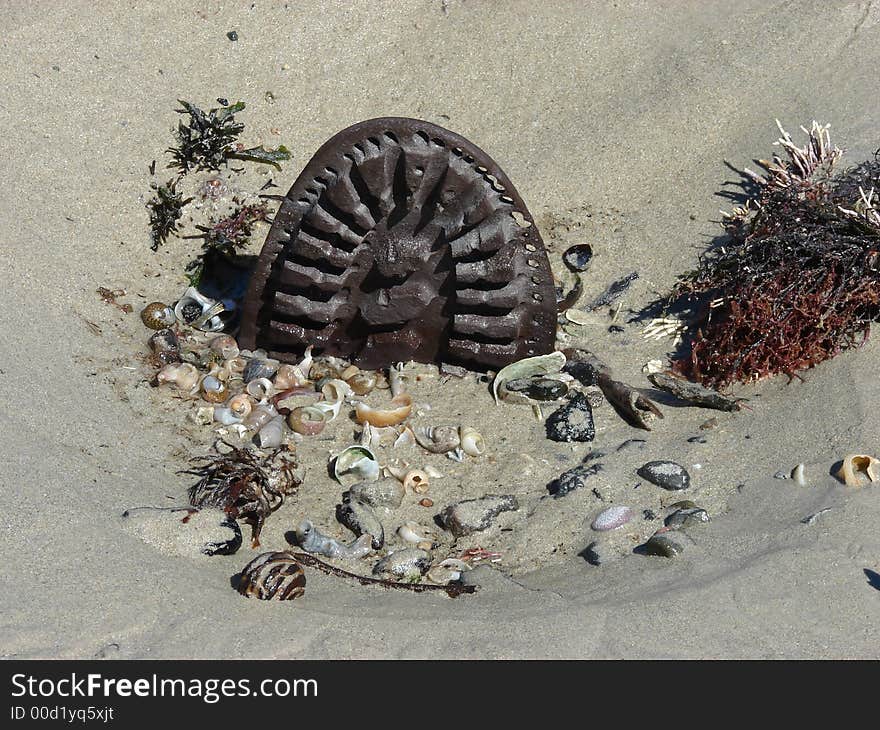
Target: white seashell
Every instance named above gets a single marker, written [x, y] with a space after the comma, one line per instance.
[356, 464]
[797, 475]
[540, 365]
[259, 417]
[433, 472]
[271, 435]
[183, 375]
[235, 366]
[405, 438]
[416, 480]
[261, 389]
[653, 366]
[204, 416]
[578, 316]
[288, 376]
[410, 532]
[397, 469]
[225, 416]
[857, 470]
[456, 455]
[472, 442]
[437, 439]
[209, 321]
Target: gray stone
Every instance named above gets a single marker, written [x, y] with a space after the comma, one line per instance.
[666, 474]
[474, 515]
[683, 518]
[667, 544]
[383, 493]
[573, 421]
[409, 563]
[359, 518]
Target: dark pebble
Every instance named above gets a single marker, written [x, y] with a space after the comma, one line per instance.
[649, 514]
[577, 258]
[664, 545]
[632, 444]
[697, 440]
[573, 421]
[683, 518]
[616, 329]
[572, 479]
[539, 388]
[232, 35]
[666, 474]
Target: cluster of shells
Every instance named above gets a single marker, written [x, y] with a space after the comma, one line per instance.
[266, 405]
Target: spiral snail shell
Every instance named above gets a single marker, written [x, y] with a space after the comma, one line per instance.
[416, 480]
[261, 389]
[437, 439]
[275, 576]
[225, 346]
[213, 389]
[241, 405]
[157, 316]
[307, 420]
[472, 441]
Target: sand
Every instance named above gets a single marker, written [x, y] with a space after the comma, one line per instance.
[614, 122]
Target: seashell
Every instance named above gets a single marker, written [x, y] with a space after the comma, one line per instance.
[397, 469]
[447, 571]
[856, 470]
[410, 532]
[163, 340]
[349, 372]
[225, 346]
[356, 464]
[213, 390]
[362, 382]
[288, 376]
[157, 316]
[437, 439]
[612, 518]
[204, 416]
[416, 480]
[307, 420]
[225, 416]
[540, 365]
[388, 493]
[241, 405]
[399, 412]
[271, 435]
[184, 376]
[409, 563]
[420, 259]
[359, 518]
[235, 366]
[259, 417]
[797, 474]
[312, 540]
[432, 472]
[405, 438]
[472, 441]
[261, 389]
[275, 576]
[200, 312]
[257, 368]
[579, 317]
[426, 502]
[321, 369]
[335, 392]
[577, 258]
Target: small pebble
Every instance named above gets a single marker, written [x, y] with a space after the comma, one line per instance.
[666, 474]
[666, 545]
[780, 475]
[616, 329]
[683, 518]
[232, 35]
[577, 258]
[538, 388]
[710, 424]
[426, 502]
[649, 514]
[572, 479]
[612, 517]
[697, 440]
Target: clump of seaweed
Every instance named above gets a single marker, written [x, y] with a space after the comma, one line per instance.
[233, 231]
[166, 208]
[207, 140]
[799, 279]
[246, 486]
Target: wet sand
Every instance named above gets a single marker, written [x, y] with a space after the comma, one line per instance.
[614, 123]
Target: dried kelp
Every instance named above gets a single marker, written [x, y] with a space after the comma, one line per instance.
[799, 280]
[246, 486]
[693, 392]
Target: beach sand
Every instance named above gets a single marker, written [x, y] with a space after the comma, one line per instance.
[614, 121]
